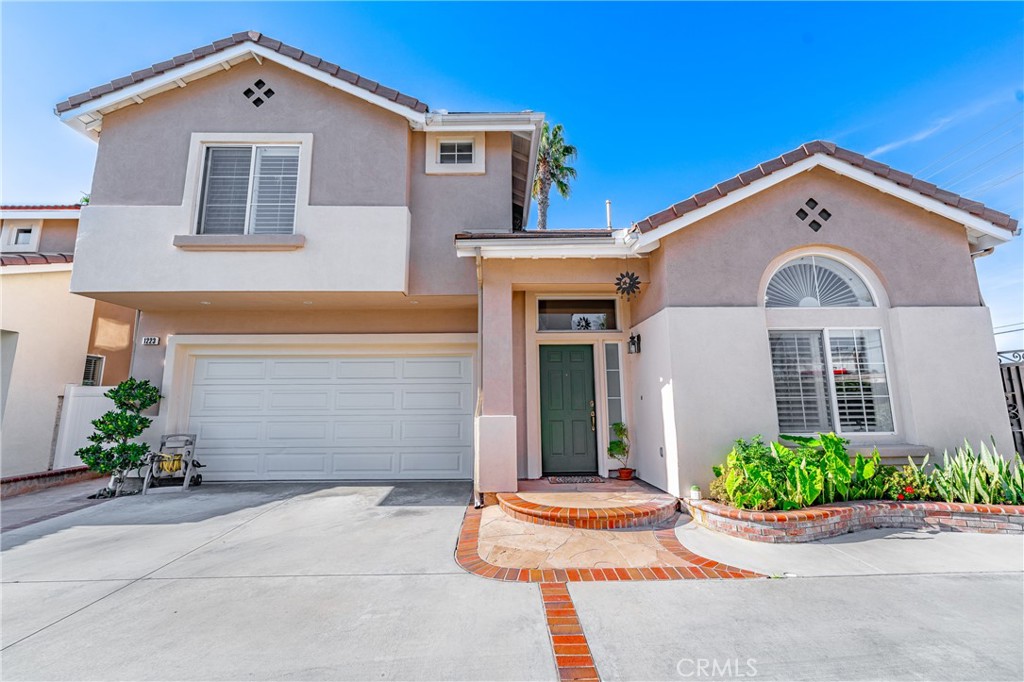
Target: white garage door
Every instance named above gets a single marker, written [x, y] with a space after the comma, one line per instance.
[288, 418]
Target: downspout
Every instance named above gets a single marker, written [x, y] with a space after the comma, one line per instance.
[478, 500]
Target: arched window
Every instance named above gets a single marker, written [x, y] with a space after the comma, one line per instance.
[816, 282]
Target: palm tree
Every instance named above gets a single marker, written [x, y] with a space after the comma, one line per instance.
[553, 158]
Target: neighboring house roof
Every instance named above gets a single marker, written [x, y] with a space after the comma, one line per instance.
[827, 149]
[35, 258]
[219, 46]
[40, 207]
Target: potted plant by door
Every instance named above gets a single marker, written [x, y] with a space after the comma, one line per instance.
[618, 450]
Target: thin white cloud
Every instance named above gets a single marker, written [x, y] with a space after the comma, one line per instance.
[966, 112]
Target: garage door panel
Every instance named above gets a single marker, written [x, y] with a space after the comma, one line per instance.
[220, 369]
[318, 399]
[285, 432]
[436, 464]
[231, 400]
[360, 464]
[295, 368]
[364, 399]
[437, 368]
[440, 399]
[362, 432]
[296, 463]
[308, 418]
[214, 433]
[364, 368]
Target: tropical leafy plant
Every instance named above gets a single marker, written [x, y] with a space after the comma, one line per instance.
[985, 478]
[113, 450]
[554, 158]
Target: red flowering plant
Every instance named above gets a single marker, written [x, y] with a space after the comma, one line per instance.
[910, 483]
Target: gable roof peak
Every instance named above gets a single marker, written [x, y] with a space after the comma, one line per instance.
[808, 150]
[226, 49]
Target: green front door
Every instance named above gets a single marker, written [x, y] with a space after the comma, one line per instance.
[568, 425]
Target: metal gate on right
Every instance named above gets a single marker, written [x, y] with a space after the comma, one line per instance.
[1011, 364]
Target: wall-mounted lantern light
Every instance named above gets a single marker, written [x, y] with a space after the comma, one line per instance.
[634, 344]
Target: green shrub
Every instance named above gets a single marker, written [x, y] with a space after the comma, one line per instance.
[818, 470]
[113, 450]
[716, 491]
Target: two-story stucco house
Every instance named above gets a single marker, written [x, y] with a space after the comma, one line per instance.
[334, 283]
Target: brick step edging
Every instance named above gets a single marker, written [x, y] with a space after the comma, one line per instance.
[467, 555]
[30, 483]
[825, 521]
[594, 518]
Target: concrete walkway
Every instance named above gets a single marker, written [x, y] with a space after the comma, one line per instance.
[22, 510]
[870, 552]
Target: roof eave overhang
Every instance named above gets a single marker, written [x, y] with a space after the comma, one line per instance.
[620, 246]
[39, 214]
[979, 230]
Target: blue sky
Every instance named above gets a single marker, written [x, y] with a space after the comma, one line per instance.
[662, 99]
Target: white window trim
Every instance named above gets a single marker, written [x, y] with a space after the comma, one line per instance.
[534, 340]
[433, 163]
[10, 230]
[830, 379]
[102, 361]
[859, 268]
[196, 163]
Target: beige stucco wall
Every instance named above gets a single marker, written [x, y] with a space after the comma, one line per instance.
[149, 360]
[53, 334]
[704, 379]
[111, 336]
[360, 156]
[58, 236]
[922, 259]
[444, 205]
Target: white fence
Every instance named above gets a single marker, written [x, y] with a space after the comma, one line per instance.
[81, 405]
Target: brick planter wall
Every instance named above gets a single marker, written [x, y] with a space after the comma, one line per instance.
[30, 483]
[825, 521]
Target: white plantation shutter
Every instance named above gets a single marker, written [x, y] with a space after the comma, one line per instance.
[249, 189]
[273, 193]
[862, 389]
[225, 194]
[801, 385]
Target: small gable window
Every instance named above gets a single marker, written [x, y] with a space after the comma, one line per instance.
[460, 152]
[817, 282]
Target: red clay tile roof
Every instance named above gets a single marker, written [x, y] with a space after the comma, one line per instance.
[820, 147]
[41, 207]
[236, 39]
[35, 258]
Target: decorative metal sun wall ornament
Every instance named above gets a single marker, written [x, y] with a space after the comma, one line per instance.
[628, 285]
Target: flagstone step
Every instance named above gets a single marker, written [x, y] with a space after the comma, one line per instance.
[602, 511]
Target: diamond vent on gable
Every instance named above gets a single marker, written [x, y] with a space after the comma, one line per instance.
[258, 93]
[815, 224]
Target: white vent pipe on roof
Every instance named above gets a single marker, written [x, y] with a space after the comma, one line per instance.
[608, 212]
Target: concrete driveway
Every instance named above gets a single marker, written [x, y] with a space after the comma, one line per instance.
[279, 581]
[358, 582]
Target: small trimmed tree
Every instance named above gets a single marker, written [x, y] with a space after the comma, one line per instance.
[114, 450]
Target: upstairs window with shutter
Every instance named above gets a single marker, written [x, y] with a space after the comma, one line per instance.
[249, 189]
[93, 374]
[831, 379]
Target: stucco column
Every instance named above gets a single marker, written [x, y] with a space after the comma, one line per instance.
[496, 426]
